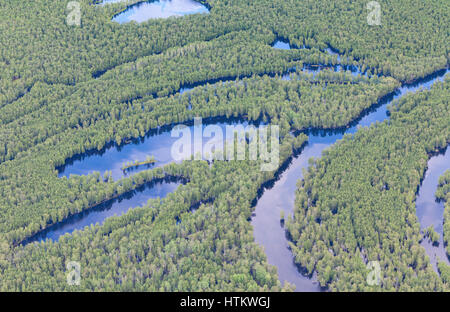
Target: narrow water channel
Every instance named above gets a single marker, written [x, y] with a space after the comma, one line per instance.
[268, 231]
[113, 207]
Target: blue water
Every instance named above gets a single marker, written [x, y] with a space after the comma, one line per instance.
[315, 69]
[105, 2]
[114, 207]
[280, 196]
[158, 144]
[143, 11]
[331, 52]
[279, 44]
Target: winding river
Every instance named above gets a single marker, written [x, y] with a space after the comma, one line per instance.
[280, 196]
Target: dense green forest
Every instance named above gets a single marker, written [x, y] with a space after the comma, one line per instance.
[356, 203]
[65, 90]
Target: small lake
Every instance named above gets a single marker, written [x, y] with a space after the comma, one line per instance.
[431, 212]
[114, 207]
[143, 11]
[158, 142]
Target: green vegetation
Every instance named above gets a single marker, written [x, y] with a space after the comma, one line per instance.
[65, 90]
[444, 270]
[357, 201]
[410, 43]
[148, 160]
[432, 235]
